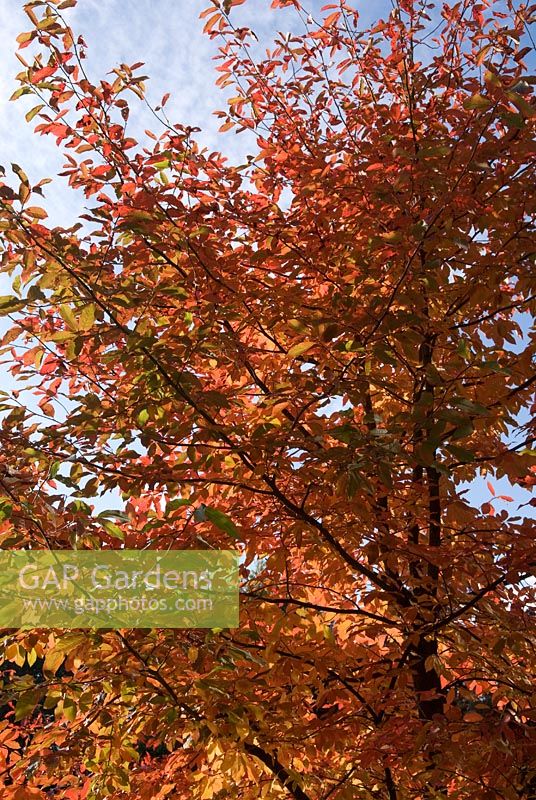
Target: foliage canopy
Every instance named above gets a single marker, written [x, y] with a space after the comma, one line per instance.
[315, 348]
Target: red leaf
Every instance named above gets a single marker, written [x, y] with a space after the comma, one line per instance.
[332, 18]
[44, 72]
[24, 39]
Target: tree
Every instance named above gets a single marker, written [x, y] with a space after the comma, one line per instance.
[319, 345]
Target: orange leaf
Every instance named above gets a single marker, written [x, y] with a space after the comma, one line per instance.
[472, 716]
[24, 39]
[36, 212]
[40, 74]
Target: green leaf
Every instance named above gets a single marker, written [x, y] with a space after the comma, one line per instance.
[523, 105]
[33, 112]
[177, 503]
[222, 521]
[344, 433]
[143, 417]
[69, 642]
[69, 709]
[296, 324]
[68, 317]
[62, 336]
[53, 661]
[10, 303]
[87, 317]
[463, 348]
[470, 407]
[477, 102]
[20, 92]
[113, 513]
[6, 510]
[112, 529]
[26, 704]
[462, 431]
[466, 456]
[384, 472]
[300, 348]
[514, 120]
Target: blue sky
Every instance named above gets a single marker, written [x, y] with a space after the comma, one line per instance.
[167, 36]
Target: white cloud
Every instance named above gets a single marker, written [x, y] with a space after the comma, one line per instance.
[167, 36]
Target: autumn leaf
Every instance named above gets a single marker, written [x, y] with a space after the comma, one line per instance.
[314, 345]
[477, 102]
[299, 349]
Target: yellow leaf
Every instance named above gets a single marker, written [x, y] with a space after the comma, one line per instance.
[87, 317]
[193, 653]
[22, 38]
[523, 105]
[53, 661]
[477, 102]
[36, 212]
[68, 317]
[300, 348]
[33, 111]
[392, 237]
